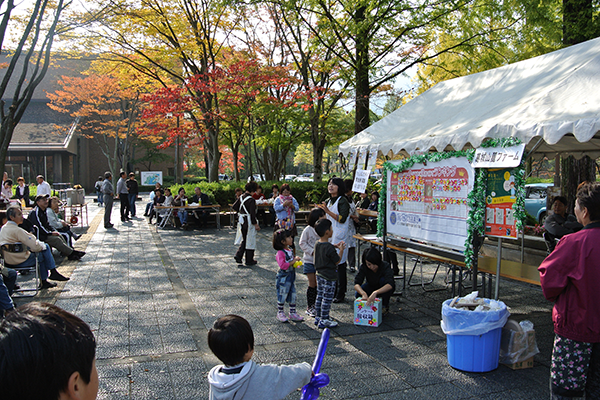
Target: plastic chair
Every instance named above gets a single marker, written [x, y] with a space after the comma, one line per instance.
[33, 268]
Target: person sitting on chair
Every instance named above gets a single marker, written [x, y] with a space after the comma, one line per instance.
[12, 234]
[8, 280]
[559, 223]
[201, 199]
[22, 192]
[48, 234]
[58, 223]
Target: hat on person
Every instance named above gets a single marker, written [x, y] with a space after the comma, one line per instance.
[41, 196]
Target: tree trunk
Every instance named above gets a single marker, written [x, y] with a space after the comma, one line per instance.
[363, 91]
[578, 23]
[6, 132]
[574, 172]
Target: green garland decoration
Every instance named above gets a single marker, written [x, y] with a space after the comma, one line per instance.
[475, 199]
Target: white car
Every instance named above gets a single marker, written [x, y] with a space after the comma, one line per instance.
[307, 177]
[289, 178]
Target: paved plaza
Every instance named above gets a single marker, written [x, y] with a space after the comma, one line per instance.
[151, 297]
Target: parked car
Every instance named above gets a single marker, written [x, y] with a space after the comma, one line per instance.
[257, 178]
[289, 178]
[535, 200]
[307, 177]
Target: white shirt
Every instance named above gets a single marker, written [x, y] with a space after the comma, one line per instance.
[43, 189]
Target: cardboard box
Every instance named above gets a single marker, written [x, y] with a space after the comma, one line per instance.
[367, 315]
[521, 364]
[517, 348]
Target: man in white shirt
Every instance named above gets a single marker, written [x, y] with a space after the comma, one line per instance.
[43, 187]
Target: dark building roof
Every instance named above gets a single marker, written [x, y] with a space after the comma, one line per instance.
[60, 66]
[41, 128]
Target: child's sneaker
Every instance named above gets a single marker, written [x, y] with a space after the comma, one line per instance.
[281, 316]
[296, 317]
[327, 323]
[317, 319]
[311, 312]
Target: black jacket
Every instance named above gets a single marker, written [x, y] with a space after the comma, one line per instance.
[39, 218]
[376, 280]
[25, 195]
[132, 186]
[204, 197]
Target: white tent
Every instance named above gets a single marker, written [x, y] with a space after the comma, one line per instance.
[555, 97]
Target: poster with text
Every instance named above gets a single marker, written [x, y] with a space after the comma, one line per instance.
[429, 202]
[151, 178]
[499, 199]
[372, 160]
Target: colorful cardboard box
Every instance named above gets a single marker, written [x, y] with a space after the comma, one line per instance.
[367, 315]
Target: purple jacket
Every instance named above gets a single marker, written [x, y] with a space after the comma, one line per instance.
[570, 276]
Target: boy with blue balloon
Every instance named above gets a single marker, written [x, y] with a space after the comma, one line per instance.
[231, 339]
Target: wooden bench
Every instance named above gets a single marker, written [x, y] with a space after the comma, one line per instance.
[455, 265]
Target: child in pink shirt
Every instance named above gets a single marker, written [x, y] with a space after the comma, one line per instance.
[286, 289]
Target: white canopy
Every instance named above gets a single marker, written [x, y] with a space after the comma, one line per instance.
[555, 97]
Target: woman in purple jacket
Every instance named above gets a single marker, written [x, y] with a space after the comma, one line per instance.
[569, 277]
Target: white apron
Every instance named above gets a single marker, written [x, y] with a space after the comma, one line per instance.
[340, 230]
[251, 236]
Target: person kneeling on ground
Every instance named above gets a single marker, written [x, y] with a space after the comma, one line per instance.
[379, 276]
[48, 234]
[231, 339]
[47, 353]
[11, 234]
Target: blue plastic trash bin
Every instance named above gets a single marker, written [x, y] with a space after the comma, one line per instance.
[473, 337]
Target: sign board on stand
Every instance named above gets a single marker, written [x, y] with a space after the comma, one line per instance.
[500, 197]
[151, 178]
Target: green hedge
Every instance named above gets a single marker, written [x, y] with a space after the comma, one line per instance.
[224, 192]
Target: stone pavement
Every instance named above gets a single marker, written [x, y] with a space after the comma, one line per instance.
[150, 299]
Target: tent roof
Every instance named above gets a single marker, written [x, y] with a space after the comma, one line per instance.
[554, 97]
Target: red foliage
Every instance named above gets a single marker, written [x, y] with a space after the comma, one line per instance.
[189, 111]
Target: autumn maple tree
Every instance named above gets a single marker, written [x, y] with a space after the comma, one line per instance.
[258, 104]
[106, 108]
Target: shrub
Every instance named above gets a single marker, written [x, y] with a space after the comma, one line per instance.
[223, 193]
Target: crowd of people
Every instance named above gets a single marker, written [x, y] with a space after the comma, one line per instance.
[328, 248]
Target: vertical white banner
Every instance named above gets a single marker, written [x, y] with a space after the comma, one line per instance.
[352, 158]
[372, 160]
[362, 157]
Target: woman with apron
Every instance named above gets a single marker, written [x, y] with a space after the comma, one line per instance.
[245, 205]
[337, 209]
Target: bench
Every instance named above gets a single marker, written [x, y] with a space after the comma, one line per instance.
[455, 265]
[508, 269]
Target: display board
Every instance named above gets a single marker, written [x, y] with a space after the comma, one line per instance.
[429, 202]
[150, 178]
[499, 200]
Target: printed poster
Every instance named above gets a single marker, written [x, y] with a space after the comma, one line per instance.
[362, 157]
[352, 158]
[372, 160]
[151, 178]
[500, 197]
[429, 202]
[360, 181]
